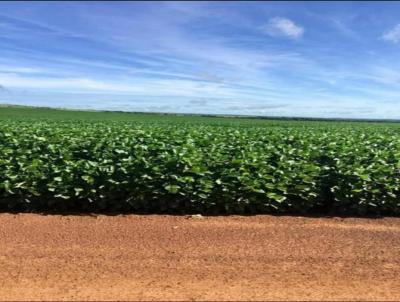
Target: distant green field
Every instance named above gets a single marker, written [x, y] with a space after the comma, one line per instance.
[8, 112]
[25, 113]
[106, 161]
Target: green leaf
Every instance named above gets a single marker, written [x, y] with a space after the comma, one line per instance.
[276, 197]
[172, 188]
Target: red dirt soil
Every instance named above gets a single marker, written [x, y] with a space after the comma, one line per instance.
[154, 257]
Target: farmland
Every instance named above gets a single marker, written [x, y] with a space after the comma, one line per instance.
[100, 161]
[93, 172]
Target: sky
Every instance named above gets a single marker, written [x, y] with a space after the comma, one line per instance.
[310, 59]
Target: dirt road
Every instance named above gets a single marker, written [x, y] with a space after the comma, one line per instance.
[215, 258]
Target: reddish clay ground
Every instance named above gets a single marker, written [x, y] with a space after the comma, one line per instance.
[215, 258]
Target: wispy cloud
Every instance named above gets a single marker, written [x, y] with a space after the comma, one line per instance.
[283, 27]
[256, 108]
[138, 86]
[19, 69]
[199, 102]
[393, 35]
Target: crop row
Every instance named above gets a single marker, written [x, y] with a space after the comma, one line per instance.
[184, 168]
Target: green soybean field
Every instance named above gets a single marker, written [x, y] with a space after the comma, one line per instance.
[60, 160]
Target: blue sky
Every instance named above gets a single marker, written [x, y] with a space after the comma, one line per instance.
[316, 59]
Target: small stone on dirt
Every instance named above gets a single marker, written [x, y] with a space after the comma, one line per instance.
[196, 216]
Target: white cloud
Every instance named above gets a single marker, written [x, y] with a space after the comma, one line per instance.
[18, 69]
[392, 35]
[283, 27]
[134, 86]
